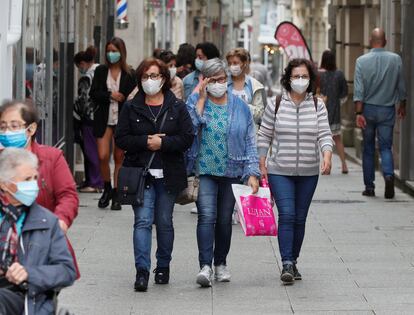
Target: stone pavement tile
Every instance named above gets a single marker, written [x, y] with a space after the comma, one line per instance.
[345, 312]
[385, 280]
[402, 309]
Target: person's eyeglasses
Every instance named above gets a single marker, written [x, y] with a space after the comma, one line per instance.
[295, 77]
[218, 80]
[12, 126]
[152, 76]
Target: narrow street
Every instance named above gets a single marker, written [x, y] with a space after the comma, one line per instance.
[357, 258]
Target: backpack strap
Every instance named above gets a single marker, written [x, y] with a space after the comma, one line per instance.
[315, 101]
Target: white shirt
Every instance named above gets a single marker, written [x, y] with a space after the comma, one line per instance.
[113, 86]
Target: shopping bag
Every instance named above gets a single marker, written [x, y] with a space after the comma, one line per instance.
[255, 211]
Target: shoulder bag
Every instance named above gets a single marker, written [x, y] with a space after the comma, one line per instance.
[131, 180]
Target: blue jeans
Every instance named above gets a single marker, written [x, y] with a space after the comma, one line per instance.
[380, 123]
[157, 208]
[215, 206]
[293, 196]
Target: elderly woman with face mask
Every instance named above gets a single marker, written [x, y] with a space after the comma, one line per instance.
[294, 130]
[138, 133]
[34, 256]
[244, 86]
[223, 154]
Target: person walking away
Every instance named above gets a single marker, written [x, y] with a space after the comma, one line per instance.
[333, 86]
[293, 130]
[170, 60]
[35, 261]
[378, 86]
[18, 129]
[185, 60]
[204, 52]
[250, 90]
[112, 83]
[83, 111]
[138, 133]
[224, 153]
[260, 73]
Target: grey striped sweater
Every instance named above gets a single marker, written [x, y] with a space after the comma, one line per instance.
[295, 136]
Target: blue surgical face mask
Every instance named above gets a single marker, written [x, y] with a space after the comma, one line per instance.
[199, 64]
[14, 139]
[113, 56]
[26, 192]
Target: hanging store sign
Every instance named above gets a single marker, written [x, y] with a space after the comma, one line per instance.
[292, 41]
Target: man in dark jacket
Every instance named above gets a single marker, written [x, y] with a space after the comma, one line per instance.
[35, 261]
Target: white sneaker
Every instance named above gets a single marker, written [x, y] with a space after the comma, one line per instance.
[222, 273]
[204, 276]
[194, 210]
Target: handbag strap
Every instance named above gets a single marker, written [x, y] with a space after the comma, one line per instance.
[164, 117]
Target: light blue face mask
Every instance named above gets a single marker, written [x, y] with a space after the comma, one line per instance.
[199, 64]
[26, 192]
[14, 139]
[113, 56]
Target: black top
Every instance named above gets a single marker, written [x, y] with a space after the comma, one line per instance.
[102, 97]
[136, 123]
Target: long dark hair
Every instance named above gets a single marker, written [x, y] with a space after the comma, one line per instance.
[328, 61]
[120, 45]
[294, 63]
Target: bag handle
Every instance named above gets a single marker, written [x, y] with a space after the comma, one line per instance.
[164, 117]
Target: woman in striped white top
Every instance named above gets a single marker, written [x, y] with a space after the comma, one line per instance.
[294, 130]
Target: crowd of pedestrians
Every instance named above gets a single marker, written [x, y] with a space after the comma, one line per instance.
[198, 113]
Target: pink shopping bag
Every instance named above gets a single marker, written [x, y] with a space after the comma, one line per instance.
[255, 211]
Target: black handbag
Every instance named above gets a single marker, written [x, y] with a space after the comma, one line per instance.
[132, 180]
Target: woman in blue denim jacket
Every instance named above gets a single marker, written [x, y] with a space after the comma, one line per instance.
[224, 153]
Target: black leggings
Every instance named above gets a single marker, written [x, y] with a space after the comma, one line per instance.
[11, 303]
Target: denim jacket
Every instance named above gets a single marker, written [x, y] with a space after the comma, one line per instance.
[242, 157]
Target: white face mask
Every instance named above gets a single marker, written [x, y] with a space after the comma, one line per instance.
[217, 89]
[173, 72]
[299, 85]
[151, 87]
[235, 70]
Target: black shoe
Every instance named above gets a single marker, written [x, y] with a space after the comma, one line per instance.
[296, 273]
[368, 193]
[287, 275]
[162, 275]
[141, 280]
[116, 205]
[106, 197]
[389, 187]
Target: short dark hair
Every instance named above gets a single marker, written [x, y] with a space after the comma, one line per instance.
[294, 63]
[167, 55]
[87, 56]
[27, 111]
[146, 64]
[186, 55]
[209, 49]
[328, 61]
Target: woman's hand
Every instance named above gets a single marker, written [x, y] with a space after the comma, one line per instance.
[202, 91]
[154, 142]
[253, 182]
[326, 163]
[16, 274]
[63, 226]
[117, 96]
[263, 168]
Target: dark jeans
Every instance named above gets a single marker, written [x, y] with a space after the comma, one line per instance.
[380, 123]
[215, 206]
[11, 303]
[157, 208]
[293, 196]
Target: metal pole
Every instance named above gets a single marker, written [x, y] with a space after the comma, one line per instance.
[164, 24]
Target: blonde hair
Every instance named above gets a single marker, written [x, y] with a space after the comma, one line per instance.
[242, 54]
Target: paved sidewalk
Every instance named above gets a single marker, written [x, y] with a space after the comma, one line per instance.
[357, 258]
